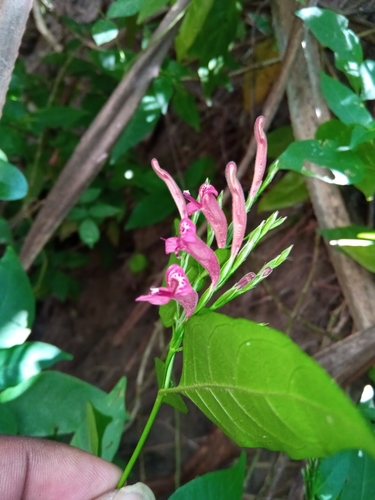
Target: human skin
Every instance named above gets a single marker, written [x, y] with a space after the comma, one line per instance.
[37, 469]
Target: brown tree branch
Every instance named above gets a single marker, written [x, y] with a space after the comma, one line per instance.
[13, 17]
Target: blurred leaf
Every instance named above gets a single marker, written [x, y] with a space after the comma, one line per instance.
[123, 8]
[138, 262]
[219, 485]
[163, 90]
[151, 209]
[8, 423]
[278, 140]
[102, 210]
[332, 31]
[347, 240]
[335, 131]
[78, 213]
[62, 285]
[56, 117]
[348, 475]
[192, 25]
[11, 141]
[104, 31]
[367, 72]
[61, 406]
[200, 170]
[346, 105]
[17, 304]
[186, 108]
[346, 166]
[149, 7]
[290, 190]
[6, 237]
[20, 362]
[241, 374]
[366, 152]
[13, 184]
[174, 400]
[86, 437]
[89, 232]
[89, 195]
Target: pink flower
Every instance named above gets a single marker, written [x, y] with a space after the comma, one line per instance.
[245, 280]
[172, 186]
[178, 288]
[238, 208]
[211, 210]
[190, 243]
[261, 157]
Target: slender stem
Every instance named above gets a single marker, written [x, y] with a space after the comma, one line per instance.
[142, 439]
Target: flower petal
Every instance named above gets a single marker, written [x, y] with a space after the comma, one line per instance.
[183, 292]
[157, 297]
[238, 208]
[261, 156]
[172, 186]
[199, 250]
[216, 218]
[194, 205]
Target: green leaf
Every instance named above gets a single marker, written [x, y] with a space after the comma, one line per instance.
[86, 437]
[123, 8]
[278, 140]
[61, 406]
[192, 25]
[56, 117]
[17, 304]
[6, 237]
[8, 423]
[348, 240]
[138, 262]
[89, 195]
[149, 7]
[263, 391]
[186, 108]
[220, 485]
[346, 166]
[289, 191]
[162, 88]
[78, 213]
[332, 31]
[103, 210]
[174, 400]
[104, 31]
[343, 102]
[347, 475]
[366, 152]
[13, 184]
[20, 362]
[367, 73]
[89, 232]
[200, 170]
[151, 209]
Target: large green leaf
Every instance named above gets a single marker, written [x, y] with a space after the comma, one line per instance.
[20, 362]
[17, 304]
[220, 485]
[346, 167]
[263, 391]
[291, 189]
[344, 102]
[347, 475]
[13, 184]
[123, 8]
[53, 403]
[104, 31]
[192, 25]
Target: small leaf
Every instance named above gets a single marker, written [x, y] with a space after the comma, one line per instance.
[225, 484]
[89, 232]
[138, 262]
[13, 184]
[185, 106]
[263, 391]
[56, 117]
[145, 213]
[89, 195]
[343, 102]
[104, 31]
[123, 8]
[289, 191]
[103, 210]
[197, 172]
[148, 8]
[20, 362]
[367, 73]
[17, 303]
[192, 25]
[86, 437]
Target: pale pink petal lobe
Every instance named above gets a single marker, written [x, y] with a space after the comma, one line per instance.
[261, 156]
[238, 208]
[172, 186]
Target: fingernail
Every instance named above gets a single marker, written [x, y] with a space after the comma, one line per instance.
[138, 491]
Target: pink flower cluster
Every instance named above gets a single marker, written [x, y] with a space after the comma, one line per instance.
[178, 286]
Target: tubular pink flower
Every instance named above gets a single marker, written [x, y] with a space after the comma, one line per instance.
[261, 157]
[245, 280]
[190, 243]
[178, 288]
[211, 210]
[238, 208]
[172, 186]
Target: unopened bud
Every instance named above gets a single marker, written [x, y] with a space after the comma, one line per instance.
[266, 272]
[245, 280]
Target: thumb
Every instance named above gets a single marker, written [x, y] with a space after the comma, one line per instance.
[138, 491]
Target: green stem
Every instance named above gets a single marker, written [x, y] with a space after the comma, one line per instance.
[142, 439]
